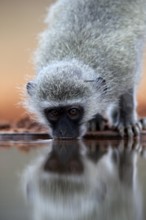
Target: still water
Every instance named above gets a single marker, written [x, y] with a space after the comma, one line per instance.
[92, 180]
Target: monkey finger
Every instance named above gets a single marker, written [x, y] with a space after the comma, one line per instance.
[130, 133]
[121, 131]
[136, 130]
[139, 124]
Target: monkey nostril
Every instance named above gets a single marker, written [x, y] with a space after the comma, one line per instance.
[62, 132]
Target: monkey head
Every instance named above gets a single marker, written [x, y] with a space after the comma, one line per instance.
[62, 95]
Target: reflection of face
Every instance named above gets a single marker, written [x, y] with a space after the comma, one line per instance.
[64, 160]
[68, 184]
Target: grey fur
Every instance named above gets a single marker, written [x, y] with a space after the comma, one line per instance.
[85, 40]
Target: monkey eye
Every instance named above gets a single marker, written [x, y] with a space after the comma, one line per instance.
[74, 113]
[52, 114]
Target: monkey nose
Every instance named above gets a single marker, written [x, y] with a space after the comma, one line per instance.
[62, 132]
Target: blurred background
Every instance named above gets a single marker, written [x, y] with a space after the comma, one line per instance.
[20, 23]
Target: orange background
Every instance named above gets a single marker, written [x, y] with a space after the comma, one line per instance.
[20, 22]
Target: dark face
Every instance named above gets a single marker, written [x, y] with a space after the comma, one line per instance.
[65, 121]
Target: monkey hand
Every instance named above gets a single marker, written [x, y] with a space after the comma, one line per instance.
[129, 128]
[99, 123]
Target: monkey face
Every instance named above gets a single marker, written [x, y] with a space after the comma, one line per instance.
[65, 96]
[65, 120]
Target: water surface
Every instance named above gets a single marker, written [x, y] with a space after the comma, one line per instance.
[64, 180]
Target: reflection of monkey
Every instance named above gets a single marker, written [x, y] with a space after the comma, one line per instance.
[88, 58]
[68, 184]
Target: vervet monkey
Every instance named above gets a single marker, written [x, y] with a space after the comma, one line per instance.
[89, 58]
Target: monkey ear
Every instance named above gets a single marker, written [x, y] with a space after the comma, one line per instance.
[100, 83]
[30, 86]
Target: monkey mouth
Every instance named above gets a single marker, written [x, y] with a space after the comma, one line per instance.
[64, 138]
